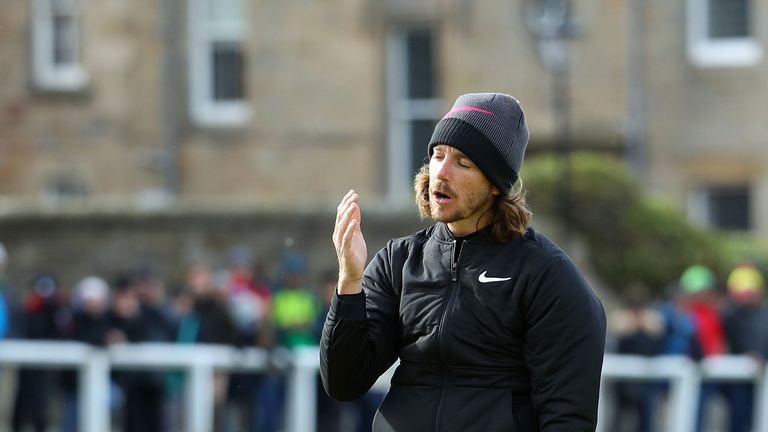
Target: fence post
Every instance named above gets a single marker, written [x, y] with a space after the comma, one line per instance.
[198, 396]
[93, 405]
[601, 407]
[301, 412]
[683, 393]
[761, 390]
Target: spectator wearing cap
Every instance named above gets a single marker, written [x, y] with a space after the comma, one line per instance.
[745, 319]
[700, 300]
[89, 325]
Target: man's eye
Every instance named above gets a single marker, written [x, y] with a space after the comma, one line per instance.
[465, 163]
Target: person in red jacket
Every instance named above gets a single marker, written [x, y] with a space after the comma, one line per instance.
[700, 300]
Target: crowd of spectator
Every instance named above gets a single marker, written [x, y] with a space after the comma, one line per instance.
[236, 305]
[240, 306]
[701, 317]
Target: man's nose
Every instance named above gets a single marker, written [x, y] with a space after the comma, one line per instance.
[443, 170]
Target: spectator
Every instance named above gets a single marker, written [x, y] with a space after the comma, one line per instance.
[207, 321]
[679, 328]
[745, 319]
[249, 298]
[701, 301]
[156, 312]
[160, 326]
[142, 392]
[89, 325]
[249, 303]
[42, 320]
[295, 307]
[639, 331]
[294, 313]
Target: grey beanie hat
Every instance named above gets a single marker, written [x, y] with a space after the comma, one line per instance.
[490, 129]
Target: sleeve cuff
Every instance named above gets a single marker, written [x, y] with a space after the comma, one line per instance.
[349, 306]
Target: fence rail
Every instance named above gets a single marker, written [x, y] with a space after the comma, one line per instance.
[200, 361]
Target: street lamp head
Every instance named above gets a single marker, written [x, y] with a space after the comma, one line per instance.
[551, 19]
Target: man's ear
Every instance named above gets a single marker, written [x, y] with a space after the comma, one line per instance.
[495, 190]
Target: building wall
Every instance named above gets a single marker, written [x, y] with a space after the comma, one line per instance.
[101, 137]
[706, 124]
[316, 84]
[316, 81]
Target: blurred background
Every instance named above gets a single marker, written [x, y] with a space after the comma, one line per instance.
[182, 160]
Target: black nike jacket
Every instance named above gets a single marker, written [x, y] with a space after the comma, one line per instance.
[509, 337]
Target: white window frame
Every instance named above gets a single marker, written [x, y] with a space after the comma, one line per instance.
[46, 74]
[705, 51]
[401, 111]
[204, 110]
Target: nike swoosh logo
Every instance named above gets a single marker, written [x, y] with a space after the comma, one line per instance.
[485, 279]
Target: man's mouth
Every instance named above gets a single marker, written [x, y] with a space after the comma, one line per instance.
[440, 197]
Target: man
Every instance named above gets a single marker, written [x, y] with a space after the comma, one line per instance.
[745, 322]
[495, 328]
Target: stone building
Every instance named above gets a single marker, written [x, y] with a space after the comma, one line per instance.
[232, 104]
[230, 101]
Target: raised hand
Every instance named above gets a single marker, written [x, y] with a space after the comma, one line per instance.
[350, 245]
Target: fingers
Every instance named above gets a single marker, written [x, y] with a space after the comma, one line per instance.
[347, 210]
[346, 240]
[351, 214]
[350, 196]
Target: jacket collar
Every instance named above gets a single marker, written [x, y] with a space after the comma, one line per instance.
[443, 234]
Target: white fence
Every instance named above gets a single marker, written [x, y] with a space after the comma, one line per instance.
[200, 361]
[685, 377]
[197, 361]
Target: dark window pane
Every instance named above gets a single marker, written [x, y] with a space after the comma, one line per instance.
[728, 18]
[421, 132]
[227, 71]
[420, 60]
[729, 208]
[64, 39]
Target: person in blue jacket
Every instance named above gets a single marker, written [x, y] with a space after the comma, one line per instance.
[4, 286]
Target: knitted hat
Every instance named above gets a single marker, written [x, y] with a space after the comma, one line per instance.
[697, 278]
[490, 129]
[745, 281]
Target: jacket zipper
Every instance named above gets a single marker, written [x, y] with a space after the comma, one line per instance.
[454, 289]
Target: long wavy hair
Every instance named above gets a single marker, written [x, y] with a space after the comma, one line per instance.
[511, 214]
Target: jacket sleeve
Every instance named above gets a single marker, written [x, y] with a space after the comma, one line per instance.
[361, 334]
[564, 348]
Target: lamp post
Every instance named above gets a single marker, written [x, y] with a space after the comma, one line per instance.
[551, 25]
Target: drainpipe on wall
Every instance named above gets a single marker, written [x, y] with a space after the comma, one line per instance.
[171, 96]
[635, 133]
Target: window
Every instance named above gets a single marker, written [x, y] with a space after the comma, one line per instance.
[413, 105]
[217, 33]
[62, 188]
[56, 53]
[720, 33]
[722, 207]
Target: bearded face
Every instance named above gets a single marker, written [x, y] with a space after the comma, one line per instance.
[459, 193]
